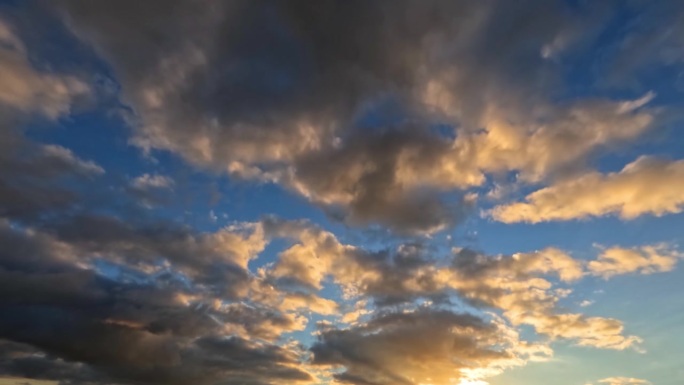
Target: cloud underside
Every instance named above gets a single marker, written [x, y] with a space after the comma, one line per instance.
[67, 319]
[341, 108]
[93, 292]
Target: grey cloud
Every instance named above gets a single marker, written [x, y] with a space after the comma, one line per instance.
[34, 177]
[275, 90]
[95, 290]
[364, 175]
[22, 360]
[24, 88]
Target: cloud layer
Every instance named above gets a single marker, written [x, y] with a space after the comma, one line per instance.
[393, 116]
[306, 102]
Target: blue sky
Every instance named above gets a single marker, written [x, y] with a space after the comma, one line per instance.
[380, 193]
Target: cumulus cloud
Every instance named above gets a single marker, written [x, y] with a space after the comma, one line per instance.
[148, 181]
[151, 189]
[97, 286]
[317, 257]
[191, 300]
[157, 314]
[135, 331]
[26, 89]
[422, 346]
[516, 285]
[644, 260]
[279, 104]
[623, 381]
[33, 176]
[586, 303]
[646, 186]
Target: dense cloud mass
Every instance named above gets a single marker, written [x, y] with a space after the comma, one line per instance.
[427, 345]
[406, 117]
[293, 102]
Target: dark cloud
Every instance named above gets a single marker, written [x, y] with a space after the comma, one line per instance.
[22, 360]
[414, 347]
[124, 331]
[366, 173]
[96, 287]
[277, 91]
[35, 178]
[215, 259]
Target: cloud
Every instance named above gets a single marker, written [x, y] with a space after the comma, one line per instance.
[646, 186]
[157, 308]
[26, 363]
[516, 286]
[58, 154]
[317, 256]
[384, 116]
[24, 88]
[34, 177]
[586, 303]
[644, 260]
[392, 179]
[550, 140]
[279, 104]
[130, 330]
[148, 181]
[623, 381]
[151, 190]
[421, 346]
[188, 304]
[643, 50]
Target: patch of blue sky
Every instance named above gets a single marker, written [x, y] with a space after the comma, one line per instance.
[386, 112]
[578, 235]
[120, 273]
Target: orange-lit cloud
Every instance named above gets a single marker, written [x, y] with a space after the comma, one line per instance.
[647, 186]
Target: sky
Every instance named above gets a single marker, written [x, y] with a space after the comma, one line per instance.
[341, 192]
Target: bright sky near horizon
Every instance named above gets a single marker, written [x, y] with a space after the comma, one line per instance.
[405, 192]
